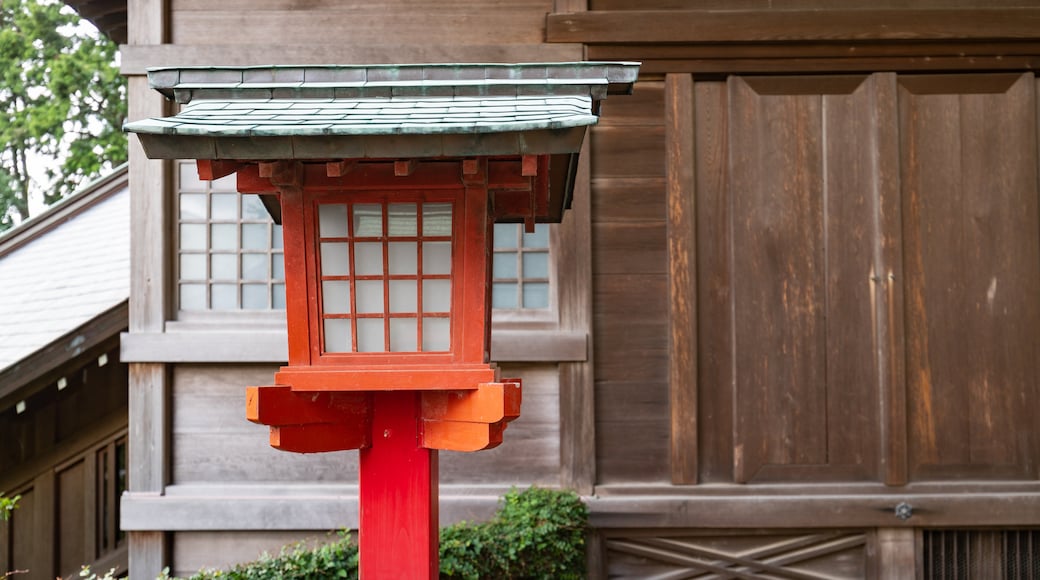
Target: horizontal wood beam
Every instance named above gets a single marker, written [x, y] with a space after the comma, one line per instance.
[713, 26]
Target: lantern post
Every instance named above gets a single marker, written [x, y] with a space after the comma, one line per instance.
[387, 181]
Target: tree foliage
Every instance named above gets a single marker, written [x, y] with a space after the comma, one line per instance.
[61, 99]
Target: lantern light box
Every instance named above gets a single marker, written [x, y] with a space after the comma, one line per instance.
[387, 181]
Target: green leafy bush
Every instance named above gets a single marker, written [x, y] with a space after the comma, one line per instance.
[7, 505]
[536, 533]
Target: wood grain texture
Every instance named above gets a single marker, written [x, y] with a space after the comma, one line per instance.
[896, 554]
[750, 25]
[794, 4]
[682, 275]
[969, 183]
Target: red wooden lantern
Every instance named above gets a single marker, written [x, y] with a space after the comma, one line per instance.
[387, 181]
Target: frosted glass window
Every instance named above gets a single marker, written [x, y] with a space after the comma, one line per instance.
[505, 235]
[403, 257]
[536, 295]
[254, 237]
[335, 259]
[254, 296]
[224, 296]
[193, 237]
[193, 206]
[224, 237]
[404, 296]
[193, 296]
[370, 335]
[368, 259]
[337, 335]
[436, 334]
[225, 266]
[368, 220]
[503, 295]
[437, 258]
[401, 219]
[504, 266]
[332, 220]
[335, 297]
[403, 334]
[224, 206]
[214, 223]
[193, 266]
[253, 208]
[536, 265]
[537, 239]
[369, 296]
[436, 295]
[436, 219]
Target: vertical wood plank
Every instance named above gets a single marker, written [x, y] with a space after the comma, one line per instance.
[146, 21]
[573, 245]
[149, 423]
[147, 554]
[682, 272]
[44, 554]
[896, 554]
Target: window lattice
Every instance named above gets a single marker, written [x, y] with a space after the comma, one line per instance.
[520, 274]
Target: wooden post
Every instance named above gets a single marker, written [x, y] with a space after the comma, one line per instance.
[398, 493]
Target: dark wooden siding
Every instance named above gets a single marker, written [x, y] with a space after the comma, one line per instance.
[630, 287]
[868, 278]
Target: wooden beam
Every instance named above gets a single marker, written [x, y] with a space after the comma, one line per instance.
[711, 26]
[339, 168]
[896, 554]
[529, 165]
[215, 169]
[682, 270]
[404, 168]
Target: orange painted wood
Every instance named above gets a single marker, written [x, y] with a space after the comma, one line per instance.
[529, 165]
[339, 168]
[462, 436]
[389, 378]
[321, 437]
[489, 403]
[404, 167]
[295, 232]
[212, 169]
[398, 512]
[280, 405]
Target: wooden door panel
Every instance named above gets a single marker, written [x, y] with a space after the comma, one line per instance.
[972, 261]
[801, 191]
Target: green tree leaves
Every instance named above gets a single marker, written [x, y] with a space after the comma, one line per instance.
[61, 98]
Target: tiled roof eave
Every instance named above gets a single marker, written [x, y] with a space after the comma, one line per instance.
[553, 138]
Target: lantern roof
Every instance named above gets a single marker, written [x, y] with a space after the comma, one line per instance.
[378, 111]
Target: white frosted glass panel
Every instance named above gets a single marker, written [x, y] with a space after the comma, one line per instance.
[223, 236]
[403, 296]
[436, 334]
[278, 296]
[277, 266]
[368, 220]
[436, 219]
[504, 265]
[193, 266]
[335, 259]
[540, 237]
[403, 257]
[189, 177]
[403, 334]
[335, 297]
[436, 295]
[226, 183]
[193, 206]
[436, 258]
[370, 335]
[253, 208]
[276, 237]
[224, 296]
[401, 218]
[223, 206]
[224, 266]
[254, 296]
[332, 220]
[254, 267]
[536, 295]
[254, 237]
[193, 237]
[337, 335]
[536, 265]
[505, 235]
[504, 295]
[193, 296]
[369, 295]
[368, 258]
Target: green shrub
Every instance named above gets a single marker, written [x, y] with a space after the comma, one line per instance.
[536, 533]
[7, 505]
